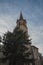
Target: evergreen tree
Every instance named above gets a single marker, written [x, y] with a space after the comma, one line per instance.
[15, 46]
[0, 38]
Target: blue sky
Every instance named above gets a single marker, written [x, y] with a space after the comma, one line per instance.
[33, 13]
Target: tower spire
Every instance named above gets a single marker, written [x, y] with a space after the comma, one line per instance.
[21, 16]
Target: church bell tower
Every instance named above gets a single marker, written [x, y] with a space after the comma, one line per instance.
[21, 23]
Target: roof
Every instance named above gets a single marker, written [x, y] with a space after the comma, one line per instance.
[34, 47]
[21, 16]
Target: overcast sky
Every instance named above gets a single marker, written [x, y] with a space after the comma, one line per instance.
[33, 13]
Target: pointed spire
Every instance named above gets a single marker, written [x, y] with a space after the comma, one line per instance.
[21, 16]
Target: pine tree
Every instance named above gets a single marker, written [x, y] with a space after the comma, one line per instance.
[15, 46]
[0, 38]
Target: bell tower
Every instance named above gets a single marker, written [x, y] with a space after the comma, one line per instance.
[21, 23]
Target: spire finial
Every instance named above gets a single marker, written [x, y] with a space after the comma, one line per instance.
[21, 16]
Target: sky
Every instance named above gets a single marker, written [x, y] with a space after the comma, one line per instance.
[32, 11]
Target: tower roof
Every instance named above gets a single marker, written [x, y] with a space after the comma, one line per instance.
[21, 16]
